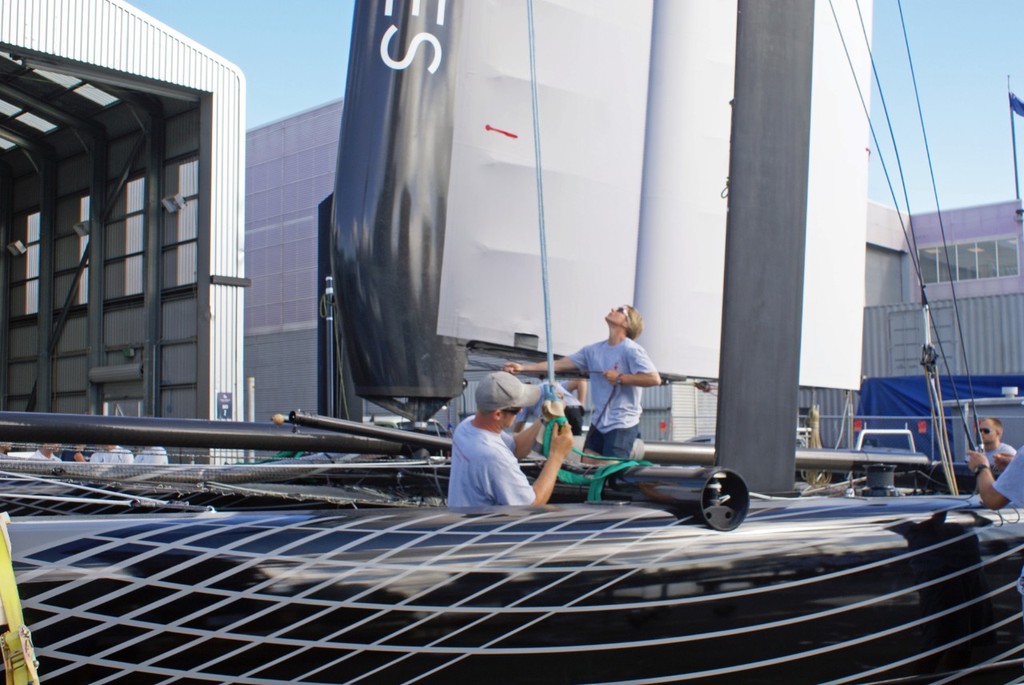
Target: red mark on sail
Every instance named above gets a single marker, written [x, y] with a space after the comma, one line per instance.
[488, 127]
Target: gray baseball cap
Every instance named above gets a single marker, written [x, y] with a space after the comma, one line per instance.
[502, 390]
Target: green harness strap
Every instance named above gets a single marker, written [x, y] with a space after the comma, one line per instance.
[595, 482]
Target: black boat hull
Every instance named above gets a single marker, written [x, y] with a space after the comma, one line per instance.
[813, 590]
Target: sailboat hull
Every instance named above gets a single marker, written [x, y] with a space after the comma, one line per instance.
[806, 591]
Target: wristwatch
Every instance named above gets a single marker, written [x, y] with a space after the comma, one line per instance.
[980, 469]
[618, 379]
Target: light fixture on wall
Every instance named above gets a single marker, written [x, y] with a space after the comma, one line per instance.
[173, 203]
[17, 248]
[81, 229]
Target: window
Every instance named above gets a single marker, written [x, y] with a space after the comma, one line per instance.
[124, 243]
[182, 227]
[969, 261]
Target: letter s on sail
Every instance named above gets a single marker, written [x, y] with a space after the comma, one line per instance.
[413, 47]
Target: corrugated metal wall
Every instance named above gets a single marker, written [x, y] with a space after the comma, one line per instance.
[992, 341]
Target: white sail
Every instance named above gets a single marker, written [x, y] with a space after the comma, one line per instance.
[605, 129]
[592, 62]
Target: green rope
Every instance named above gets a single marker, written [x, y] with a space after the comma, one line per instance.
[594, 483]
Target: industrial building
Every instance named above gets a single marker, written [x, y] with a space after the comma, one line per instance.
[121, 211]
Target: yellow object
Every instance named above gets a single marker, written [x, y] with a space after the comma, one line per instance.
[20, 665]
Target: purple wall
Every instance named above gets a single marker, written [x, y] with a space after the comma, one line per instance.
[985, 222]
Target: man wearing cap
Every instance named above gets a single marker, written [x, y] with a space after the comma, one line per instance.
[485, 467]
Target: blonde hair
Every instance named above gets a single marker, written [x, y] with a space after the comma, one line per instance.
[634, 323]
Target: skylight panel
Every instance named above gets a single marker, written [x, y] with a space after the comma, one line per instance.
[100, 97]
[6, 144]
[7, 109]
[59, 79]
[36, 122]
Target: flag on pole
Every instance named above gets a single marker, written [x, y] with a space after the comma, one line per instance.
[1016, 105]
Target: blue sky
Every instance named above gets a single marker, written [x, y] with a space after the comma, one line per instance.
[294, 55]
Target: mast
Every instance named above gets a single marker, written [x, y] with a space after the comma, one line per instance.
[765, 240]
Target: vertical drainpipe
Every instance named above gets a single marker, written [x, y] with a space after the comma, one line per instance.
[7, 202]
[47, 236]
[94, 295]
[204, 246]
[153, 264]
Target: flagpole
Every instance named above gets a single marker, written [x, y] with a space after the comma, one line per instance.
[1013, 138]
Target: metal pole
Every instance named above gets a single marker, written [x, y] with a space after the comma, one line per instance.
[329, 333]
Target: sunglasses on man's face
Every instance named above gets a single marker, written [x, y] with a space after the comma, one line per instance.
[986, 431]
[512, 410]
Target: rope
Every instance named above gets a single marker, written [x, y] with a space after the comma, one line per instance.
[540, 190]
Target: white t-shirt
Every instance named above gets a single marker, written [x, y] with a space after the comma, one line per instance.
[151, 455]
[485, 470]
[1001, 448]
[118, 455]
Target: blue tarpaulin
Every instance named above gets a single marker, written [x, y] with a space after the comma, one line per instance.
[905, 398]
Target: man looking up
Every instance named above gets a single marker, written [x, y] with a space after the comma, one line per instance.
[485, 467]
[619, 367]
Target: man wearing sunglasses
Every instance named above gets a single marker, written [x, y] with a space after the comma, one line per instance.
[998, 452]
[485, 467]
[618, 367]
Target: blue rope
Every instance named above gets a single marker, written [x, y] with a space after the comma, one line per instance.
[540, 190]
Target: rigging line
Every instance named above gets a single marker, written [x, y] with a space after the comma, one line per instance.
[938, 210]
[540, 189]
[908, 236]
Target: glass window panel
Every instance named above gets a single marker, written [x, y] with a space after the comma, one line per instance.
[7, 109]
[928, 264]
[1006, 250]
[6, 144]
[32, 297]
[186, 271]
[100, 97]
[986, 254]
[944, 272]
[32, 261]
[133, 275]
[188, 221]
[188, 178]
[36, 122]
[966, 262]
[60, 79]
[83, 284]
[32, 228]
[135, 195]
[133, 234]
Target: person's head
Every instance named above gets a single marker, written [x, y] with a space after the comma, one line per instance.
[5, 447]
[991, 430]
[501, 395]
[628, 318]
[49, 448]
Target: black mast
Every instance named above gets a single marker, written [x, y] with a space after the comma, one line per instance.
[764, 250]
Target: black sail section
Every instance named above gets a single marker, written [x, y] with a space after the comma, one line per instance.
[391, 193]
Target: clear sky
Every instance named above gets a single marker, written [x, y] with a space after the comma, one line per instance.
[294, 55]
